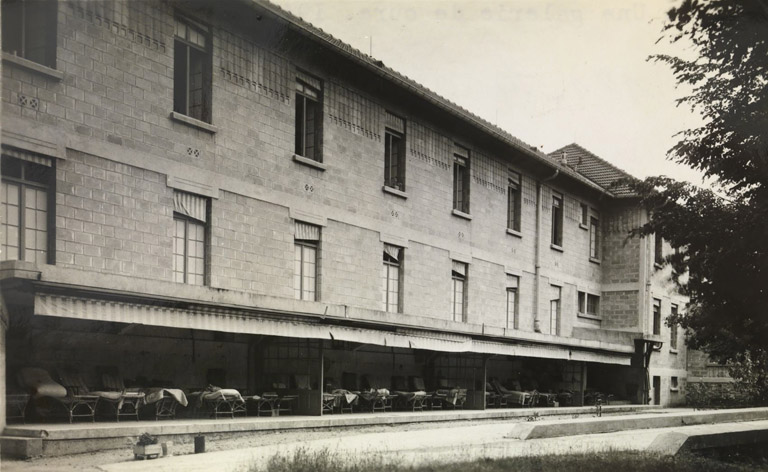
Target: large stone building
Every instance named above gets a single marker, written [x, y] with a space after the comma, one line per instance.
[218, 192]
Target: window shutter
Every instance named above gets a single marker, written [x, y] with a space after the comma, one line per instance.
[191, 205]
[395, 123]
[28, 156]
[392, 251]
[307, 232]
[460, 268]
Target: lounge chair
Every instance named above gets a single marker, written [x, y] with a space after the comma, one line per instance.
[338, 399]
[448, 397]
[516, 396]
[220, 401]
[376, 397]
[408, 399]
[166, 400]
[130, 400]
[80, 401]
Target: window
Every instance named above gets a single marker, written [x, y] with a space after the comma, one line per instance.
[673, 384]
[584, 214]
[656, 316]
[394, 153]
[673, 330]
[594, 238]
[306, 241]
[29, 30]
[513, 201]
[190, 217]
[461, 179]
[391, 277]
[192, 70]
[557, 220]
[308, 120]
[589, 304]
[458, 300]
[554, 310]
[513, 283]
[27, 181]
[658, 249]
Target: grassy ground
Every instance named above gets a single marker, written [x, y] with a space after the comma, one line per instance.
[324, 461]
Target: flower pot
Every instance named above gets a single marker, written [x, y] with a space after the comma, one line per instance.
[148, 451]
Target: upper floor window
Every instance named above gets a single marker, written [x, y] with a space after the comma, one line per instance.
[306, 242]
[513, 200]
[192, 70]
[458, 295]
[513, 283]
[584, 214]
[658, 249]
[29, 30]
[594, 238]
[656, 316]
[673, 330]
[557, 219]
[391, 277]
[589, 304]
[394, 152]
[461, 179]
[190, 217]
[27, 208]
[554, 310]
[308, 120]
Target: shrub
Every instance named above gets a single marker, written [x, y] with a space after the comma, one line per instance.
[721, 395]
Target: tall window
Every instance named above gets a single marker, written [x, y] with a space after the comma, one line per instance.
[513, 283]
[584, 214]
[658, 249]
[461, 179]
[306, 241]
[554, 310]
[190, 217]
[394, 152]
[673, 330]
[192, 70]
[308, 120]
[656, 316]
[557, 220]
[29, 30]
[27, 182]
[391, 276]
[594, 238]
[513, 201]
[458, 300]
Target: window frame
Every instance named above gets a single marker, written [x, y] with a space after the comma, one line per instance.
[658, 250]
[459, 280]
[514, 197]
[48, 32]
[188, 221]
[461, 181]
[656, 314]
[303, 244]
[594, 238]
[556, 314]
[557, 219]
[584, 220]
[673, 333]
[390, 264]
[515, 306]
[303, 95]
[183, 105]
[399, 179]
[50, 198]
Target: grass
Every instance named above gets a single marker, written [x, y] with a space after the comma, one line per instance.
[327, 461]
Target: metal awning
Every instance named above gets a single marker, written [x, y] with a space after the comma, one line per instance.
[233, 320]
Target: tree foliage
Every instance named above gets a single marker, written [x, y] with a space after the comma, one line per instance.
[723, 235]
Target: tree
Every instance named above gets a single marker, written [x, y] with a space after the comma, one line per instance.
[723, 236]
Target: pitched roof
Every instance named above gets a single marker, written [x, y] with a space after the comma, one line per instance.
[392, 75]
[596, 169]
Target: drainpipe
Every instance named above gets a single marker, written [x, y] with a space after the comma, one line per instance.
[537, 278]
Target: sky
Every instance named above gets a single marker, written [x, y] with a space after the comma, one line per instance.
[550, 72]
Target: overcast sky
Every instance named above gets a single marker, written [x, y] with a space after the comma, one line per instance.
[549, 72]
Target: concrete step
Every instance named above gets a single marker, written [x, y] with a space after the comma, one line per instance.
[694, 438]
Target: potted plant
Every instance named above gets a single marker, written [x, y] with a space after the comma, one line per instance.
[147, 447]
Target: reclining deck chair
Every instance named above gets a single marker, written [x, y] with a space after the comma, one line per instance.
[80, 401]
[516, 396]
[130, 400]
[408, 399]
[377, 397]
[220, 401]
[39, 384]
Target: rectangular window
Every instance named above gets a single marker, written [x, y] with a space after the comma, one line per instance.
[658, 249]
[594, 238]
[192, 70]
[29, 30]
[513, 283]
[458, 299]
[391, 278]
[394, 152]
[557, 220]
[589, 304]
[308, 121]
[25, 217]
[513, 201]
[673, 330]
[306, 242]
[461, 179]
[190, 217]
[554, 310]
[584, 214]
[656, 316]
[673, 384]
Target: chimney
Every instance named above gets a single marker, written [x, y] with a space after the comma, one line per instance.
[564, 158]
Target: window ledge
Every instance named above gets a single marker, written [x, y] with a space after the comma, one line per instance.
[556, 247]
[514, 233]
[594, 260]
[583, 226]
[673, 350]
[394, 191]
[461, 214]
[674, 389]
[590, 317]
[309, 162]
[33, 66]
[187, 120]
